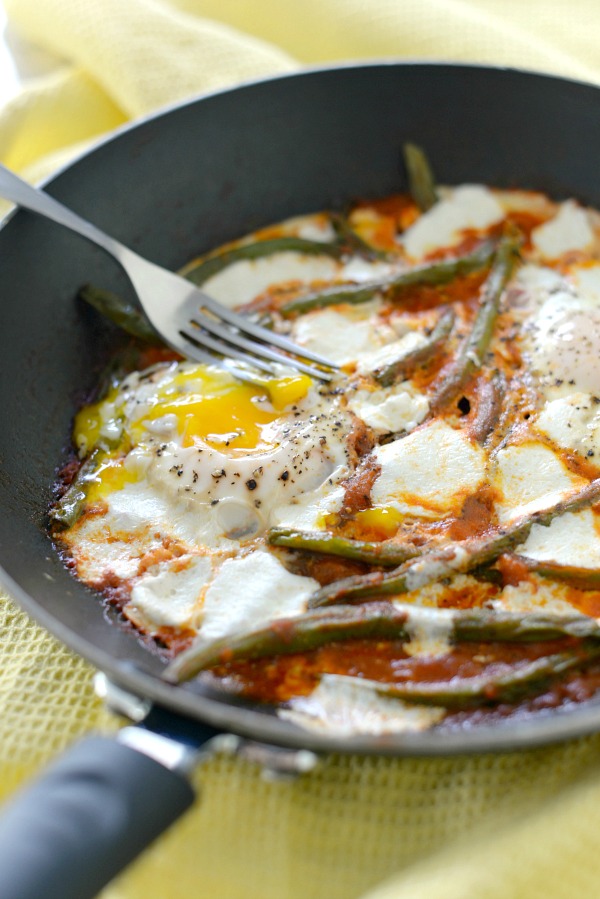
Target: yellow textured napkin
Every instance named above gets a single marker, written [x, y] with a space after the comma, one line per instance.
[499, 826]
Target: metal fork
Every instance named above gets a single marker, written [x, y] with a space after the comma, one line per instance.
[188, 320]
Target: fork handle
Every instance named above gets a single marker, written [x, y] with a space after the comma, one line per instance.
[23, 194]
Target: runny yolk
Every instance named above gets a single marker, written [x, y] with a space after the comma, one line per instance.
[89, 421]
[208, 405]
[383, 522]
[110, 476]
[214, 407]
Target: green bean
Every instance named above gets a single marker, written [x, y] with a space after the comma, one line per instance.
[575, 575]
[405, 364]
[376, 621]
[508, 686]
[384, 553]
[130, 318]
[348, 238]
[489, 408]
[71, 504]
[421, 182]
[472, 352]
[439, 272]
[200, 271]
[290, 635]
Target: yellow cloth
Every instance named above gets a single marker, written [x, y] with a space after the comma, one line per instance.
[498, 826]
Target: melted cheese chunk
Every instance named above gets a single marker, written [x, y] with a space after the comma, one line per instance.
[249, 592]
[430, 631]
[397, 409]
[430, 472]
[534, 596]
[343, 706]
[569, 230]
[530, 476]
[343, 334]
[171, 596]
[570, 539]
[468, 207]
[372, 360]
[240, 282]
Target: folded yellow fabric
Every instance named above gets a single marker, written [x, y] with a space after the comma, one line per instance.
[516, 826]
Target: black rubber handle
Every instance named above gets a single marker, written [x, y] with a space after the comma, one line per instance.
[92, 812]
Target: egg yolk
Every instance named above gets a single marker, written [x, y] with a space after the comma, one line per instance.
[89, 421]
[206, 404]
[383, 522]
[110, 476]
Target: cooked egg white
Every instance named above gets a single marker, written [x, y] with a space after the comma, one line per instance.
[573, 422]
[560, 332]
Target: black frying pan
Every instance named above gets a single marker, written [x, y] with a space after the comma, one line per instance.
[173, 186]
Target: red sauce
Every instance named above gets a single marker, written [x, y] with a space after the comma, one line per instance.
[279, 679]
[512, 569]
[475, 516]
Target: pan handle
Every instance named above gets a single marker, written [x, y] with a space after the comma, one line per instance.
[92, 812]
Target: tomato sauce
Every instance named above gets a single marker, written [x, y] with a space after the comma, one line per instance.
[276, 680]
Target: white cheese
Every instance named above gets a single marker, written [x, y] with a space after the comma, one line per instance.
[346, 706]
[428, 473]
[342, 335]
[389, 352]
[248, 592]
[423, 570]
[570, 539]
[241, 281]
[570, 229]
[534, 597]
[529, 477]
[171, 597]
[430, 631]
[465, 207]
[390, 409]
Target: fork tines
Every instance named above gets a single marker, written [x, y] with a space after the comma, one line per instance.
[229, 334]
